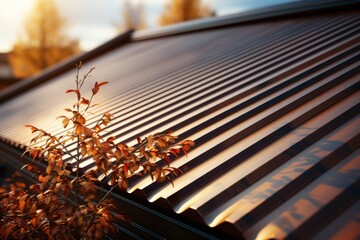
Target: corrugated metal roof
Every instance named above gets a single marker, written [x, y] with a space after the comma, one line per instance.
[272, 105]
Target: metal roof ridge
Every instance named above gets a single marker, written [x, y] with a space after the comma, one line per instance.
[281, 10]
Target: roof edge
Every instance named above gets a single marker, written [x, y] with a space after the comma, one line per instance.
[63, 66]
[281, 10]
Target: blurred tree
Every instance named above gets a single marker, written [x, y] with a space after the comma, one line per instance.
[43, 42]
[133, 16]
[184, 10]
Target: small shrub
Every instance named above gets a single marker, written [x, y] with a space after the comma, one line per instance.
[64, 203]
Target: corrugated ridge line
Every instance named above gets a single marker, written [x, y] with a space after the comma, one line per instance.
[51, 105]
[239, 197]
[141, 98]
[182, 75]
[275, 162]
[298, 183]
[132, 103]
[339, 225]
[257, 99]
[241, 156]
[185, 87]
[223, 51]
[207, 176]
[148, 121]
[213, 91]
[270, 91]
[328, 213]
[163, 52]
[186, 122]
[154, 94]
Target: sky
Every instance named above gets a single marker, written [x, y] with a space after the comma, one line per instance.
[92, 22]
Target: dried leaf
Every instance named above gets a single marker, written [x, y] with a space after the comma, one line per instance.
[65, 122]
[48, 169]
[103, 83]
[75, 91]
[96, 88]
[150, 140]
[84, 101]
[33, 129]
[175, 151]
[22, 202]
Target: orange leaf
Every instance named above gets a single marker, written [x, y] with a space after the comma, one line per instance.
[175, 151]
[126, 168]
[96, 88]
[33, 129]
[188, 142]
[84, 101]
[103, 83]
[22, 202]
[167, 159]
[41, 178]
[81, 119]
[83, 150]
[157, 174]
[110, 139]
[75, 91]
[48, 169]
[33, 221]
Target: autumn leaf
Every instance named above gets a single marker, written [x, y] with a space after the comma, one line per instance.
[96, 88]
[65, 121]
[75, 91]
[48, 169]
[84, 101]
[103, 83]
[33, 129]
[22, 202]
[175, 151]
[83, 149]
[114, 164]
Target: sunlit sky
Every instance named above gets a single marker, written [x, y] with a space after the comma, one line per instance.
[92, 22]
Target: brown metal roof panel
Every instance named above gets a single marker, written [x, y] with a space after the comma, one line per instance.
[259, 100]
[344, 226]
[131, 80]
[234, 136]
[257, 166]
[294, 217]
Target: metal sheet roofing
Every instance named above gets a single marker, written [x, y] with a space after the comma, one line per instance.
[272, 105]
